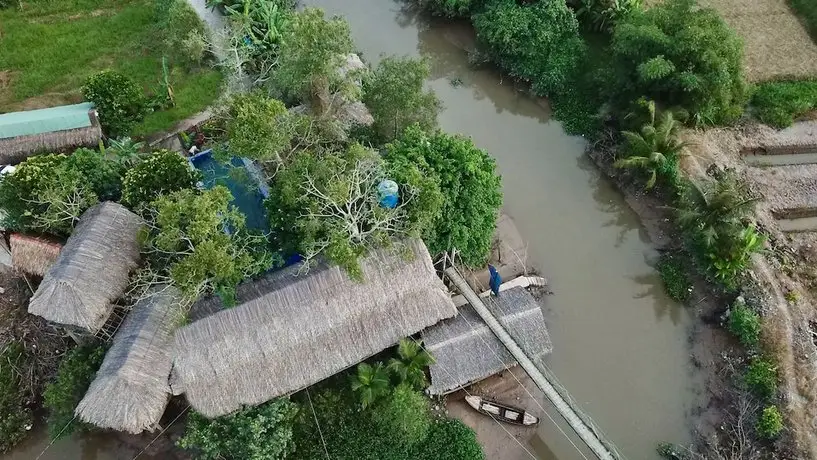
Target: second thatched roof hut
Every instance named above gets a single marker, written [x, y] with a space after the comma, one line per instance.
[53, 129]
[130, 391]
[33, 255]
[466, 351]
[288, 332]
[92, 270]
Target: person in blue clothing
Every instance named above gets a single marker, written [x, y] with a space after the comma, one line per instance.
[495, 280]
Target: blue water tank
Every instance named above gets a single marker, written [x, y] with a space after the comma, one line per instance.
[388, 193]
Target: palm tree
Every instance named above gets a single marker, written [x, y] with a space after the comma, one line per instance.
[654, 149]
[717, 209]
[411, 366]
[370, 383]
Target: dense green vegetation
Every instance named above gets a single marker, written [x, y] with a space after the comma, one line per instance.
[118, 100]
[51, 48]
[761, 378]
[262, 432]
[15, 418]
[675, 275]
[779, 103]
[76, 372]
[770, 423]
[745, 324]
[159, 173]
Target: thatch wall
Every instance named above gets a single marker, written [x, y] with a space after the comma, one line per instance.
[16, 149]
[466, 351]
[289, 332]
[130, 391]
[92, 269]
[33, 255]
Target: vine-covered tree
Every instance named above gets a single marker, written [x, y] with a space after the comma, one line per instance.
[311, 52]
[329, 204]
[470, 188]
[203, 242]
[396, 98]
[254, 433]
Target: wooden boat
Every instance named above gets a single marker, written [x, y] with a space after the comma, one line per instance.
[501, 412]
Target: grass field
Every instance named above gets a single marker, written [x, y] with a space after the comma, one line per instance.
[49, 47]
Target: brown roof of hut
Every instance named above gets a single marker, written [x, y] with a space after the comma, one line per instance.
[92, 269]
[465, 349]
[33, 255]
[289, 332]
[130, 391]
[54, 129]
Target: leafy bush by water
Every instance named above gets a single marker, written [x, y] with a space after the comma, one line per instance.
[75, 374]
[761, 377]
[779, 103]
[745, 324]
[15, 418]
[673, 271]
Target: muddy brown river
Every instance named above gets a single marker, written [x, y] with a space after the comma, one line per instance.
[620, 345]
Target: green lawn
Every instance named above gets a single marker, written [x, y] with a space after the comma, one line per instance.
[49, 48]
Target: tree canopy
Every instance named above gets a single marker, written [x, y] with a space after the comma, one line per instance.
[396, 98]
[470, 188]
[203, 243]
[680, 55]
[254, 433]
[161, 172]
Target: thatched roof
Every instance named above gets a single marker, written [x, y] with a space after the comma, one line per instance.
[130, 391]
[465, 349]
[92, 269]
[54, 129]
[289, 332]
[33, 255]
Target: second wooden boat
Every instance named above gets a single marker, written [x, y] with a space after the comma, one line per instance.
[501, 412]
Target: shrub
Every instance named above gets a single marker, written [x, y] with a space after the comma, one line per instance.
[674, 274]
[403, 416]
[394, 94]
[254, 433]
[17, 190]
[761, 377]
[102, 175]
[680, 55]
[779, 103]
[450, 440]
[162, 172]
[770, 423]
[76, 371]
[257, 127]
[536, 42]
[15, 418]
[450, 8]
[119, 101]
[602, 15]
[470, 187]
[745, 324]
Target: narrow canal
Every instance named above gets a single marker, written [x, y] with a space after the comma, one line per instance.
[620, 345]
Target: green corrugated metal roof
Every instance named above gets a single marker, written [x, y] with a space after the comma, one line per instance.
[45, 120]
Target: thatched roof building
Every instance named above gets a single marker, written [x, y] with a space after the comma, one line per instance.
[92, 269]
[55, 129]
[33, 255]
[466, 351]
[130, 391]
[289, 332]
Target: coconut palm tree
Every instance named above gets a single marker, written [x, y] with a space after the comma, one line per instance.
[716, 209]
[656, 148]
[370, 383]
[411, 365]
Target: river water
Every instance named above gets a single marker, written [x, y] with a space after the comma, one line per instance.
[620, 345]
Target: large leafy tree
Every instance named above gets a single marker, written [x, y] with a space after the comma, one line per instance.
[256, 126]
[680, 55]
[396, 98]
[254, 433]
[312, 49]
[538, 42]
[203, 243]
[161, 172]
[468, 183]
